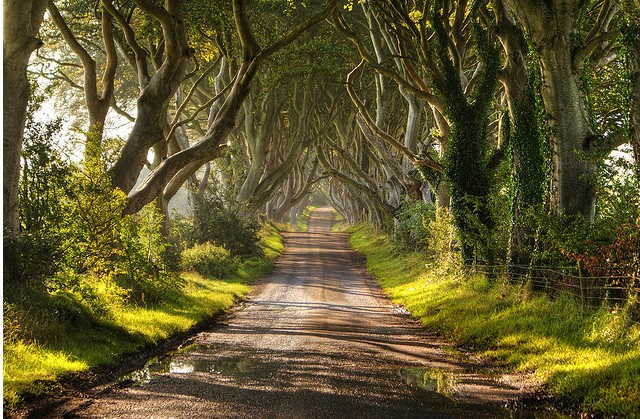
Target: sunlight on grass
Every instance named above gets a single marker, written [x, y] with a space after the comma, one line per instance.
[271, 241]
[302, 223]
[30, 368]
[23, 364]
[587, 356]
[340, 224]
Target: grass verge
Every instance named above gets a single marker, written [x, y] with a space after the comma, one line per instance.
[80, 340]
[302, 223]
[340, 224]
[589, 358]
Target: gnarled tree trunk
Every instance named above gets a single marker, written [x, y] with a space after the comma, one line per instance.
[550, 26]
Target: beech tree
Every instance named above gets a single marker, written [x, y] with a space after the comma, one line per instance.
[22, 20]
[98, 100]
[473, 102]
[552, 27]
[436, 44]
[211, 145]
[526, 140]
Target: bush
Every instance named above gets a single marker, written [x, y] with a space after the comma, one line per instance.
[209, 259]
[44, 183]
[142, 267]
[73, 238]
[222, 223]
[411, 223]
[443, 241]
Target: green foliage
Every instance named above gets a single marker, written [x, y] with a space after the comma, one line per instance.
[210, 260]
[217, 221]
[411, 227]
[143, 269]
[44, 182]
[74, 242]
[609, 240]
[94, 220]
[443, 239]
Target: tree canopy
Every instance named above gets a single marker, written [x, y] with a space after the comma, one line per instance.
[476, 107]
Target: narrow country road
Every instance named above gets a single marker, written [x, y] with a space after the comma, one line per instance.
[315, 340]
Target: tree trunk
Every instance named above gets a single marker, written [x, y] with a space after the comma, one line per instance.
[551, 26]
[634, 100]
[134, 152]
[526, 141]
[443, 195]
[204, 150]
[156, 92]
[571, 133]
[22, 20]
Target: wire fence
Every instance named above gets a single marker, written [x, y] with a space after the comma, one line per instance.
[612, 284]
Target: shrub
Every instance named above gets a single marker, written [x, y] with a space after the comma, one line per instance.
[222, 223]
[142, 267]
[443, 241]
[209, 259]
[412, 219]
[73, 237]
[44, 182]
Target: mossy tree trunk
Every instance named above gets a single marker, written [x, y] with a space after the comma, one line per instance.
[527, 148]
[552, 27]
[466, 160]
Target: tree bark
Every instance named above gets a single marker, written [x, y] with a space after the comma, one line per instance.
[526, 140]
[550, 26]
[22, 20]
[97, 103]
[155, 92]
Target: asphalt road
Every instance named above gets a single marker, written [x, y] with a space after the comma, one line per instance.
[315, 340]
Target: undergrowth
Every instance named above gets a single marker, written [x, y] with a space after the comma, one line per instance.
[589, 357]
[48, 336]
[302, 222]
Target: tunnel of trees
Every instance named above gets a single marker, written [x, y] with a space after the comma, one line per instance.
[147, 140]
[515, 124]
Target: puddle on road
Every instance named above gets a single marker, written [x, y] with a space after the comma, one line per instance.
[430, 379]
[445, 382]
[191, 359]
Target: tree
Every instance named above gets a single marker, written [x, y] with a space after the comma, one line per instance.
[565, 47]
[22, 20]
[440, 66]
[527, 142]
[631, 34]
[211, 145]
[97, 103]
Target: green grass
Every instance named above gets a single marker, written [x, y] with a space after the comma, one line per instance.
[340, 224]
[303, 221]
[589, 357]
[86, 340]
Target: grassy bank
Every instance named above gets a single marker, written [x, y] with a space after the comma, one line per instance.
[302, 222]
[82, 339]
[587, 357]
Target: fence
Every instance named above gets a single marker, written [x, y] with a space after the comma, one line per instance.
[611, 285]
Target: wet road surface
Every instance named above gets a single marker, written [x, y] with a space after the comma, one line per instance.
[315, 340]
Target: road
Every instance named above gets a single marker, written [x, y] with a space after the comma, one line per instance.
[316, 339]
